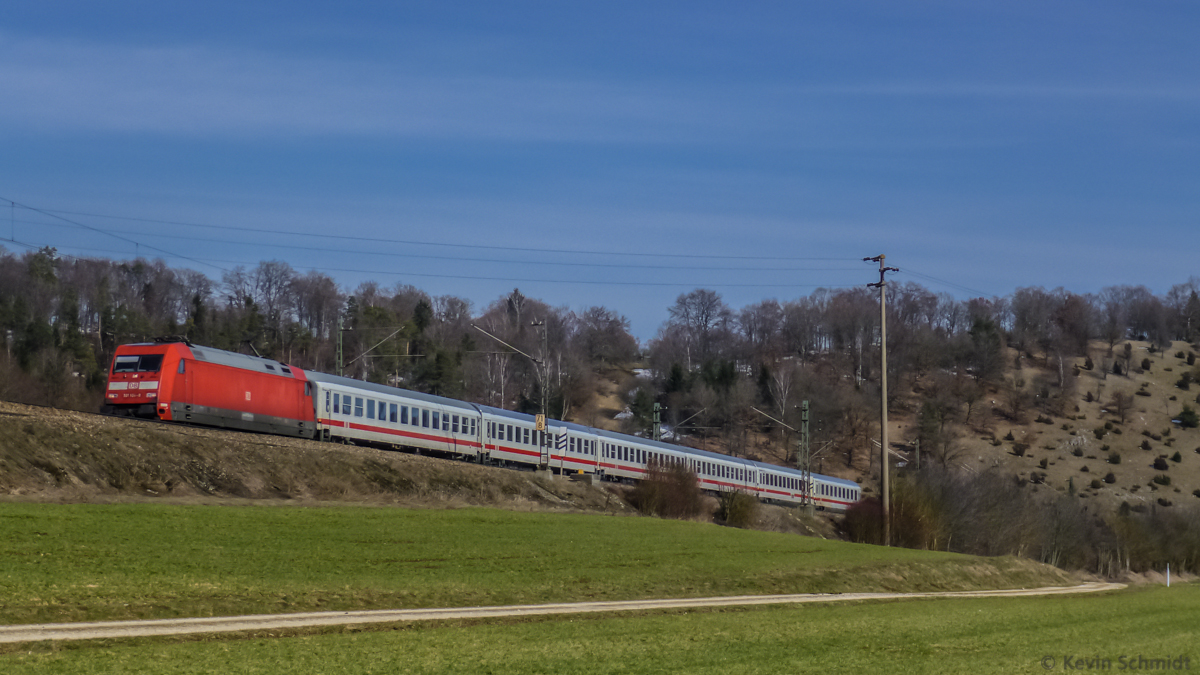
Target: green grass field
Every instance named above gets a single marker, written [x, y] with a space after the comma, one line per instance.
[74, 562]
[94, 562]
[989, 635]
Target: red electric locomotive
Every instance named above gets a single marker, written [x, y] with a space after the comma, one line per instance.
[181, 382]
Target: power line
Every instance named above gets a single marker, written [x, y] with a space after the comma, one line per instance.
[585, 282]
[411, 242]
[136, 244]
[420, 256]
[982, 294]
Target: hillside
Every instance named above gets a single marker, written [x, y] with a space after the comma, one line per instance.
[1077, 430]
[1090, 440]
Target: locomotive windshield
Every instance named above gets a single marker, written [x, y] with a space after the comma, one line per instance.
[145, 363]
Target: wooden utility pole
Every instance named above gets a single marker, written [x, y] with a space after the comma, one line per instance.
[884, 480]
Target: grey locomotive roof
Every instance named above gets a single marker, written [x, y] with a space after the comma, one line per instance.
[385, 389]
[242, 361]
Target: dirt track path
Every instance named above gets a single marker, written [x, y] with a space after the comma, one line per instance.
[116, 629]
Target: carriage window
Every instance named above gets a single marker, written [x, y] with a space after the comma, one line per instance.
[345, 404]
[370, 409]
[445, 422]
[425, 418]
[454, 424]
[392, 415]
[404, 414]
[358, 406]
[336, 407]
[269, 366]
[528, 440]
[436, 421]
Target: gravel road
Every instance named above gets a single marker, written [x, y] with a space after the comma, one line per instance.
[117, 629]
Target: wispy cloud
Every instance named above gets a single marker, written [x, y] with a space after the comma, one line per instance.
[63, 86]
[206, 90]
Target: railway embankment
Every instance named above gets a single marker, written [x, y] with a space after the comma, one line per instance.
[66, 456]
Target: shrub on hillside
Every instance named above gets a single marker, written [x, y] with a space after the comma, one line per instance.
[1177, 458]
[864, 521]
[1115, 458]
[737, 509]
[1160, 464]
[669, 490]
[1162, 479]
[1110, 478]
[1188, 419]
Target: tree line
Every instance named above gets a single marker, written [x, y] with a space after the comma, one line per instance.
[708, 367]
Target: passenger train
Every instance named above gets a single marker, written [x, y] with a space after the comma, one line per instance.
[177, 381]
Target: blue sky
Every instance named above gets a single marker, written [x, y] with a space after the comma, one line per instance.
[613, 153]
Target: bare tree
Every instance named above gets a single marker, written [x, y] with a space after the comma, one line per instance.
[604, 337]
[703, 317]
[1120, 404]
[760, 326]
[318, 302]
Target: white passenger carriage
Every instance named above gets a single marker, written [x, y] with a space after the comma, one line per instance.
[348, 409]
